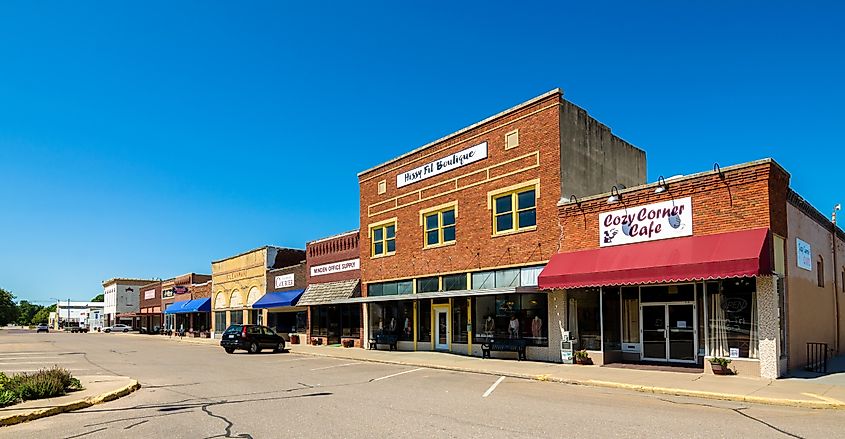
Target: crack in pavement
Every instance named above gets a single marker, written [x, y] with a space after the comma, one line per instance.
[739, 411]
[229, 424]
[85, 434]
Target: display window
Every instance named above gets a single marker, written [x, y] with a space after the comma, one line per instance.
[511, 316]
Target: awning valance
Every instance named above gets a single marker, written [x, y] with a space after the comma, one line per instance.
[734, 254]
[188, 306]
[278, 299]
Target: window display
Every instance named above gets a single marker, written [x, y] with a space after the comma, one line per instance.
[459, 320]
[424, 320]
[611, 313]
[732, 305]
[584, 318]
[219, 322]
[630, 315]
[511, 316]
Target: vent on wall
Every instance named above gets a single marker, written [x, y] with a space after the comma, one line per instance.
[382, 187]
[512, 139]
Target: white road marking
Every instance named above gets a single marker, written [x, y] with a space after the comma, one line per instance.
[27, 362]
[336, 365]
[493, 387]
[396, 374]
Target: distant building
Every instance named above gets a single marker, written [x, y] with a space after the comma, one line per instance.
[121, 303]
[72, 314]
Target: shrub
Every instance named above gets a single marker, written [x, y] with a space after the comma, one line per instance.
[45, 383]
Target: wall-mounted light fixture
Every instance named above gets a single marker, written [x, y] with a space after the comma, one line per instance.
[574, 199]
[615, 197]
[717, 168]
[663, 186]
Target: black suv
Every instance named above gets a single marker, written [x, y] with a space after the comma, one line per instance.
[252, 338]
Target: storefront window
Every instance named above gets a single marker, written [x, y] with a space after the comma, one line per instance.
[256, 317]
[484, 280]
[424, 320]
[630, 315]
[732, 305]
[385, 318]
[286, 322]
[507, 278]
[219, 322]
[455, 282]
[406, 318]
[350, 320]
[668, 293]
[511, 316]
[236, 317]
[319, 321]
[584, 318]
[611, 312]
[428, 285]
[459, 320]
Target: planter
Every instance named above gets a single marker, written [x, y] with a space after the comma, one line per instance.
[294, 339]
[720, 369]
[584, 361]
[205, 334]
[316, 341]
[348, 343]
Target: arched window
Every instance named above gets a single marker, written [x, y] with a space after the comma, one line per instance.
[820, 270]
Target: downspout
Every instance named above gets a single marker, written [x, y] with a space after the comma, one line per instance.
[835, 285]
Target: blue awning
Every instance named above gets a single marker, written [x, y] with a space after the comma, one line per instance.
[188, 306]
[278, 299]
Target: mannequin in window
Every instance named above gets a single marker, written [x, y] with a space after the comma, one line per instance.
[536, 327]
[489, 326]
[392, 325]
[513, 327]
[407, 327]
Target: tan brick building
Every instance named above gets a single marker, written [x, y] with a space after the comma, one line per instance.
[454, 233]
[729, 263]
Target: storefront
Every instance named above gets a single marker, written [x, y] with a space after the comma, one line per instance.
[282, 314]
[150, 312]
[240, 281]
[694, 268]
[190, 316]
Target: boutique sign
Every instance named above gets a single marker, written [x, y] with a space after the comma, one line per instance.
[664, 220]
[446, 164]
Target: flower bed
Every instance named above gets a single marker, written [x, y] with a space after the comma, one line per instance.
[46, 383]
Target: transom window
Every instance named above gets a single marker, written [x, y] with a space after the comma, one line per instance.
[440, 227]
[515, 211]
[384, 239]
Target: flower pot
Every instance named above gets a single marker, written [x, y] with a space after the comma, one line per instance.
[584, 361]
[294, 339]
[720, 369]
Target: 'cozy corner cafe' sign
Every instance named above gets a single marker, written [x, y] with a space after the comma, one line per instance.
[668, 219]
[446, 164]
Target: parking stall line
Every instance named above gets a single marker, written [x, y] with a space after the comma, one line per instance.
[336, 365]
[493, 387]
[395, 374]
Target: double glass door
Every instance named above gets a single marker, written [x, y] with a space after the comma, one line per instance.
[669, 332]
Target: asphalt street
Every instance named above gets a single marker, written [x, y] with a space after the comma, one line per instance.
[198, 391]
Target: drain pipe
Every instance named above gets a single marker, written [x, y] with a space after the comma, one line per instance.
[835, 280]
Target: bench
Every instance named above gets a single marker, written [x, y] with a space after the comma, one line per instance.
[389, 340]
[504, 345]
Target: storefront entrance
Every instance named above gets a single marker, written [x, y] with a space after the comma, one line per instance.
[669, 332]
[442, 328]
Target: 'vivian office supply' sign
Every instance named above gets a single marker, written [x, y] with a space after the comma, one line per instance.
[335, 267]
[446, 164]
[667, 219]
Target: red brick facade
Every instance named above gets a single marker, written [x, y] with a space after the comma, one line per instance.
[343, 247]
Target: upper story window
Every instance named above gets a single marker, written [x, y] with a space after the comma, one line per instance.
[439, 225]
[383, 238]
[515, 210]
[820, 271]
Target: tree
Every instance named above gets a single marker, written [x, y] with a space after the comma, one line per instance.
[26, 311]
[8, 309]
[99, 298]
[43, 315]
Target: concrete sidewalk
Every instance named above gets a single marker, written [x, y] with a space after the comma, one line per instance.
[808, 393]
[97, 389]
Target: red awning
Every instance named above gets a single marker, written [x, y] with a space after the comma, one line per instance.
[725, 255]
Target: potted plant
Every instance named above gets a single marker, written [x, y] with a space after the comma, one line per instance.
[720, 366]
[294, 339]
[582, 357]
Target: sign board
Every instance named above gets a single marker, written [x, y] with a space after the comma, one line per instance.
[149, 294]
[180, 289]
[445, 164]
[284, 281]
[664, 220]
[734, 352]
[805, 255]
[167, 293]
[336, 267]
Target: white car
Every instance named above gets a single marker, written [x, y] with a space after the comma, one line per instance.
[120, 327]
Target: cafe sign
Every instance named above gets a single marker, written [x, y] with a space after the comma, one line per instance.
[664, 220]
[445, 164]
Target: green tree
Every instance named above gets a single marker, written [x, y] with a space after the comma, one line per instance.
[8, 309]
[99, 298]
[43, 315]
[26, 311]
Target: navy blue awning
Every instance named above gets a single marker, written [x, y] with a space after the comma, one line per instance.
[188, 306]
[278, 299]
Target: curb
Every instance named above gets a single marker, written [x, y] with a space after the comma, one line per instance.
[70, 406]
[613, 385]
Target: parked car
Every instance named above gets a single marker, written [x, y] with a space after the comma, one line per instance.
[79, 329]
[252, 338]
[120, 327]
[42, 327]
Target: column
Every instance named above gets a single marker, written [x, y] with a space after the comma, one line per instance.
[768, 327]
[557, 323]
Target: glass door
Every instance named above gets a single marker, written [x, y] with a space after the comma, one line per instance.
[654, 332]
[441, 328]
[681, 332]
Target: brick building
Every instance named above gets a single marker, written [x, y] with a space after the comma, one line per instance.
[186, 303]
[149, 296]
[455, 233]
[333, 276]
[284, 287]
[729, 263]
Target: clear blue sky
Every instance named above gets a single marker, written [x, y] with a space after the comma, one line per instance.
[147, 139]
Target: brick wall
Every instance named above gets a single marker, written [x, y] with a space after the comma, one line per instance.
[298, 272]
[334, 249]
[200, 291]
[747, 197]
[536, 157]
[154, 302]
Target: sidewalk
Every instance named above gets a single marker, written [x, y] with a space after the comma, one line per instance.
[97, 389]
[809, 393]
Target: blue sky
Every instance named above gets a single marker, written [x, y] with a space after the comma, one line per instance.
[147, 139]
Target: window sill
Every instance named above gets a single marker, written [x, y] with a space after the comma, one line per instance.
[445, 244]
[384, 255]
[514, 232]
